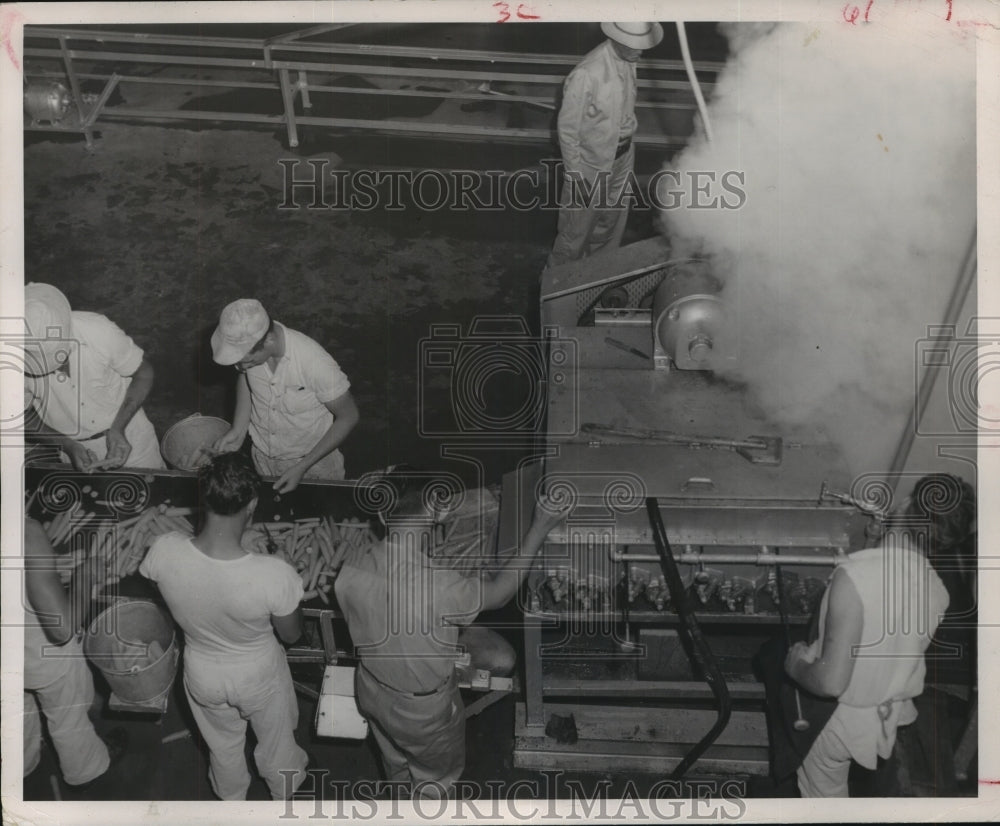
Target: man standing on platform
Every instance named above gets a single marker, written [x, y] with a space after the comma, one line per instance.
[596, 125]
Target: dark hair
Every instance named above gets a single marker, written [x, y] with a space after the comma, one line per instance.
[944, 506]
[228, 483]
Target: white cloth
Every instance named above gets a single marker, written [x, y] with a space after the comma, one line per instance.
[288, 413]
[84, 401]
[57, 680]
[224, 606]
[224, 699]
[142, 436]
[903, 601]
[234, 668]
[329, 468]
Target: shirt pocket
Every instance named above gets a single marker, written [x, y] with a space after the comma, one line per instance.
[298, 400]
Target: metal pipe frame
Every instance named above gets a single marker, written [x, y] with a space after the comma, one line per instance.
[245, 54]
[285, 43]
[762, 558]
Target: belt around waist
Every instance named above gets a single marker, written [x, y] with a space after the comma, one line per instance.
[443, 685]
[100, 435]
[623, 146]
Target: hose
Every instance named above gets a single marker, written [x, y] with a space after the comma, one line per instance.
[693, 78]
[689, 628]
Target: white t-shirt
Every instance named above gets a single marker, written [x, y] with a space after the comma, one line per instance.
[224, 606]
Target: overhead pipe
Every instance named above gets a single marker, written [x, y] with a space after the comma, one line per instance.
[693, 78]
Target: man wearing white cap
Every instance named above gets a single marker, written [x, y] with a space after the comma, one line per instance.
[84, 385]
[596, 124]
[293, 398]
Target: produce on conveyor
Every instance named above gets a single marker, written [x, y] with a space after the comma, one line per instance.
[119, 545]
[315, 547]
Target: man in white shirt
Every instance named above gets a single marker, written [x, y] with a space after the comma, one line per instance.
[596, 125]
[57, 680]
[876, 620]
[293, 398]
[84, 385]
[229, 604]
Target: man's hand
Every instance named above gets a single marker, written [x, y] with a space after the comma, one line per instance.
[289, 480]
[119, 449]
[549, 513]
[798, 655]
[82, 458]
[229, 441]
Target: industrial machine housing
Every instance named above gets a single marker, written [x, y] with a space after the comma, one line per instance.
[637, 417]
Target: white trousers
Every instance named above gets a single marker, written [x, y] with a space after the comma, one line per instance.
[65, 703]
[586, 229]
[142, 436]
[224, 698]
[330, 468]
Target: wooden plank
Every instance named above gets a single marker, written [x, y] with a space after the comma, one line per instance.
[652, 725]
[638, 751]
[661, 725]
[639, 689]
[540, 756]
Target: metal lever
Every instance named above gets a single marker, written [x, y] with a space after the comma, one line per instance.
[760, 450]
[865, 507]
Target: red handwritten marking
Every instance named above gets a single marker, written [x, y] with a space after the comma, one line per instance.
[526, 15]
[852, 13]
[10, 17]
[504, 11]
[989, 782]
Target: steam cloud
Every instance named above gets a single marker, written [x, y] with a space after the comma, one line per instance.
[858, 146]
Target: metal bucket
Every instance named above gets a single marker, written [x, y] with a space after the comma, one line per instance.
[182, 443]
[134, 646]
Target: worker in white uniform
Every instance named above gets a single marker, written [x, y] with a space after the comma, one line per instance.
[596, 125]
[292, 397]
[84, 383]
[230, 603]
[57, 679]
[409, 619]
[876, 620]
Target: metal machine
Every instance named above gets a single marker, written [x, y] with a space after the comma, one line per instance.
[684, 496]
